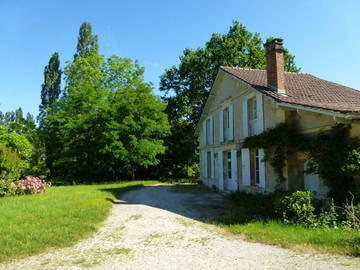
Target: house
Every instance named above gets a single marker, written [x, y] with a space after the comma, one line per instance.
[245, 102]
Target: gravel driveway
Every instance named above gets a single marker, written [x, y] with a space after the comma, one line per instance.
[154, 228]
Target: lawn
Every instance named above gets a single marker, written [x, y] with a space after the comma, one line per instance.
[57, 218]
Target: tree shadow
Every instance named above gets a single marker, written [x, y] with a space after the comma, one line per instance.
[188, 201]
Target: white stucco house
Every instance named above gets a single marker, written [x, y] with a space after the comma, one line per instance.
[245, 102]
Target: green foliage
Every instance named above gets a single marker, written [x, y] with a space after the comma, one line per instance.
[7, 188]
[186, 87]
[15, 154]
[108, 124]
[18, 143]
[11, 165]
[296, 208]
[86, 40]
[50, 90]
[332, 154]
[279, 143]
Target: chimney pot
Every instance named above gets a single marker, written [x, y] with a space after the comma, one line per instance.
[275, 65]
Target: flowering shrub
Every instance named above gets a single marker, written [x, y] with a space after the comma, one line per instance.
[29, 185]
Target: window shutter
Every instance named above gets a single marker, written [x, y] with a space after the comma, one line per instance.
[245, 160]
[205, 164]
[221, 125]
[221, 170]
[231, 122]
[245, 118]
[211, 130]
[262, 168]
[234, 172]
[212, 165]
[259, 113]
[204, 133]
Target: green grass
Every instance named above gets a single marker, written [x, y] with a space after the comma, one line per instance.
[337, 241]
[60, 217]
[252, 216]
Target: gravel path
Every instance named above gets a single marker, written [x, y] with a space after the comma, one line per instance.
[155, 228]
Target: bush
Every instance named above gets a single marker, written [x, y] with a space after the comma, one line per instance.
[7, 188]
[296, 208]
[299, 208]
[29, 185]
[11, 165]
[352, 214]
[328, 217]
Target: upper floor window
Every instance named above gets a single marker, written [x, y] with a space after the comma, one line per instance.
[226, 124]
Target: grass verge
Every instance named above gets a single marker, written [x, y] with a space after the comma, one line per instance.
[60, 217]
[252, 217]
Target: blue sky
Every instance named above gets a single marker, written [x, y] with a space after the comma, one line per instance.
[324, 35]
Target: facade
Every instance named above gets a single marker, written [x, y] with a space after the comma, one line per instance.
[245, 102]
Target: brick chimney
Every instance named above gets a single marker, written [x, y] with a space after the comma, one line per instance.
[275, 65]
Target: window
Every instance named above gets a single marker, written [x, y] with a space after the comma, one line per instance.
[229, 174]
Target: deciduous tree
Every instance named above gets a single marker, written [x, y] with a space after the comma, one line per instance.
[186, 86]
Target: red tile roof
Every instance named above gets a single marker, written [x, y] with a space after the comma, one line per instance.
[303, 89]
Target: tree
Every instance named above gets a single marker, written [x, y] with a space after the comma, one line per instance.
[108, 124]
[9, 117]
[86, 40]
[19, 115]
[50, 90]
[30, 118]
[186, 86]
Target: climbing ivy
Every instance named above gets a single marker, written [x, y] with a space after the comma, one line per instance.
[332, 154]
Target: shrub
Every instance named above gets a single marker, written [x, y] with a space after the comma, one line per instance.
[352, 214]
[296, 208]
[328, 217]
[31, 185]
[11, 165]
[7, 188]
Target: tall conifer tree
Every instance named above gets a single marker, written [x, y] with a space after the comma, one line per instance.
[50, 90]
[86, 40]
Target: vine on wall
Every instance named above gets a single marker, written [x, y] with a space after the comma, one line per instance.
[333, 154]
